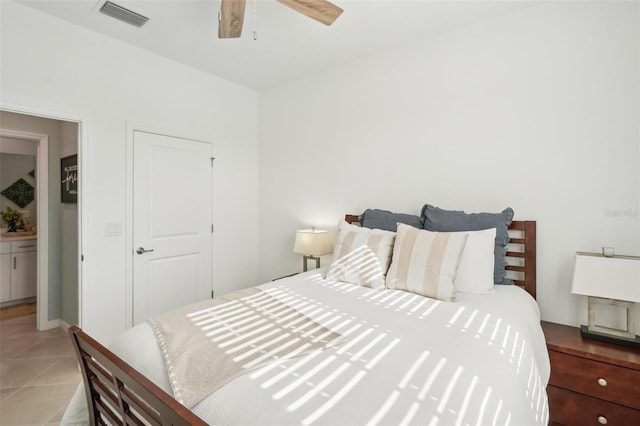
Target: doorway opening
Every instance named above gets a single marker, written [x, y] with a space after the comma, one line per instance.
[57, 225]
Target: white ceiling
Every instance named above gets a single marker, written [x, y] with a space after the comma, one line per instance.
[289, 44]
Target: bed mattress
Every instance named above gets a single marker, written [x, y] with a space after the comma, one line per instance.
[406, 359]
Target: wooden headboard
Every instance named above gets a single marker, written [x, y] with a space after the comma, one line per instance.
[521, 252]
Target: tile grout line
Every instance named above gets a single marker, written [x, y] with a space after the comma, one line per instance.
[21, 331]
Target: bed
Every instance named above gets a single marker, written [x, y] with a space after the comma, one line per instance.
[398, 358]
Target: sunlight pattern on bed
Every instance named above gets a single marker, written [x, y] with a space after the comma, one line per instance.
[207, 344]
[434, 380]
[406, 359]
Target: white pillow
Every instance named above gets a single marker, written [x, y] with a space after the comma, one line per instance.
[361, 255]
[426, 262]
[475, 272]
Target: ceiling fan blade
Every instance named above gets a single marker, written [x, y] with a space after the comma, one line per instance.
[320, 10]
[231, 18]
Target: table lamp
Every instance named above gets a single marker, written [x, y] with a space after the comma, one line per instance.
[312, 243]
[608, 280]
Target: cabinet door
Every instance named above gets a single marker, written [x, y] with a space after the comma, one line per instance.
[23, 275]
[5, 247]
[5, 277]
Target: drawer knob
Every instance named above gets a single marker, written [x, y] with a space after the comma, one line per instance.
[602, 420]
[602, 382]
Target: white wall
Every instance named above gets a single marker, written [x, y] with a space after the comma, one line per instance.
[50, 65]
[20, 153]
[17, 146]
[12, 168]
[537, 110]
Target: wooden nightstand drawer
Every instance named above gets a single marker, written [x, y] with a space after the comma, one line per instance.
[593, 378]
[570, 408]
[577, 364]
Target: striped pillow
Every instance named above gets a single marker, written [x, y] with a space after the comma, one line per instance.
[361, 256]
[426, 262]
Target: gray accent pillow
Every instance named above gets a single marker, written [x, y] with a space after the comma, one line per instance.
[437, 219]
[384, 219]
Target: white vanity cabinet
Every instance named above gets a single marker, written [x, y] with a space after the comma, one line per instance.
[18, 270]
[5, 271]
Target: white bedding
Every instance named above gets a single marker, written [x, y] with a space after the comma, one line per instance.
[406, 360]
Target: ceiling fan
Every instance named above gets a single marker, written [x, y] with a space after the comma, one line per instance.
[232, 14]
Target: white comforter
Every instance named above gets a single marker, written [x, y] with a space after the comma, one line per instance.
[406, 360]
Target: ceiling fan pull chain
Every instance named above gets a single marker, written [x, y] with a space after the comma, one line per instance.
[255, 20]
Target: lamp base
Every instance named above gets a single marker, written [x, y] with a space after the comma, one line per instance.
[594, 335]
[306, 258]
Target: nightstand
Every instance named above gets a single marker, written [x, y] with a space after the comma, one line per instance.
[591, 382]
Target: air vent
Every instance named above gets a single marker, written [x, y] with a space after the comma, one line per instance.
[122, 14]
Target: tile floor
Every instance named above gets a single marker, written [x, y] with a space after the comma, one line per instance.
[38, 373]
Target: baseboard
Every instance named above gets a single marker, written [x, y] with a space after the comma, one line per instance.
[64, 325]
[50, 324]
[18, 302]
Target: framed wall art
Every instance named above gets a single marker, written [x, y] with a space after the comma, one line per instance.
[69, 178]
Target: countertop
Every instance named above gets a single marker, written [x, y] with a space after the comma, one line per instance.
[26, 237]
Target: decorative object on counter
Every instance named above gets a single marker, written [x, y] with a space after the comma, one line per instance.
[609, 281]
[312, 243]
[69, 178]
[11, 217]
[25, 225]
[20, 192]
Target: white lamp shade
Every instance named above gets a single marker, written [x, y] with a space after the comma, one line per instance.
[313, 242]
[608, 277]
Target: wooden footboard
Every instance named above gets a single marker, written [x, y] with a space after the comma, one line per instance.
[117, 394]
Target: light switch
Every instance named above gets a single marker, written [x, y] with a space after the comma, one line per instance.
[112, 229]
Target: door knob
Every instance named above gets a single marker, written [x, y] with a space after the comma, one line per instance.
[142, 250]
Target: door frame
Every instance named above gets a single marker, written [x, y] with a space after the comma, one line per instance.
[42, 193]
[133, 127]
[42, 208]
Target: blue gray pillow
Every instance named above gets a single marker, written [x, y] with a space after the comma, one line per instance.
[437, 219]
[384, 219]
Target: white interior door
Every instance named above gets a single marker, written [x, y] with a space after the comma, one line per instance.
[172, 229]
